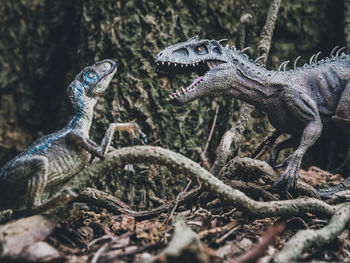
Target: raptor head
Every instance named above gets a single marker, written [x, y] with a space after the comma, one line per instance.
[204, 57]
[92, 81]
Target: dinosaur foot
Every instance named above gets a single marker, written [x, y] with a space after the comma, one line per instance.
[283, 164]
[286, 181]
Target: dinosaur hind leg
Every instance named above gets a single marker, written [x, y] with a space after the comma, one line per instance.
[342, 112]
[28, 175]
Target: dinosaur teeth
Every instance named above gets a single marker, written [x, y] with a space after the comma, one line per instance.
[178, 93]
[183, 90]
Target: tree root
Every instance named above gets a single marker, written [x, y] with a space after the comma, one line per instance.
[248, 169]
[305, 239]
[231, 140]
[114, 205]
[179, 163]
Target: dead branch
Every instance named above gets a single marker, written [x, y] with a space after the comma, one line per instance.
[219, 229]
[261, 248]
[204, 154]
[185, 245]
[266, 144]
[181, 164]
[247, 169]
[306, 239]
[340, 197]
[267, 32]
[231, 140]
[114, 205]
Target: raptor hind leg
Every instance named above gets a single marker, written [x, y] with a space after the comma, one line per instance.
[29, 175]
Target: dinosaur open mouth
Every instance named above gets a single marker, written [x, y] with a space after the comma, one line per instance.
[200, 67]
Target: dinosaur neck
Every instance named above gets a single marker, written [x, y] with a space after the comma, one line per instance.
[251, 81]
[83, 112]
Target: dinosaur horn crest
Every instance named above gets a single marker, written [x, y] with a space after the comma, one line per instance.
[193, 39]
[223, 41]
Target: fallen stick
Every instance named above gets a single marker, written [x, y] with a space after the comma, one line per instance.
[181, 164]
[114, 205]
[305, 239]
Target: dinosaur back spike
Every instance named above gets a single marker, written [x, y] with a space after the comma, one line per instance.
[193, 39]
[316, 57]
[285, 64]
[258, 58]
[223, 41]
[333, 50]
[339, 50]
[282, 64]
[296, 62]
[245, 49]
[312, 58]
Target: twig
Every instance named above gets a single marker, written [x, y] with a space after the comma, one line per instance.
[266, 144]
[179, 163]
[216, 230]
[181, 194]
[184, 245]
[102, 199]
[305, 239]
[226, 235]
[251, 170]
[260, 249]
[267, 32]
[231, 140]
[204, 154]
[99, 253]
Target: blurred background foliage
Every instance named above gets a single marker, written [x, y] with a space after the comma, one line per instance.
[44, 44]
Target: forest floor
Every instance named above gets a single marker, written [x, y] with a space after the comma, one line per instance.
[195, 227]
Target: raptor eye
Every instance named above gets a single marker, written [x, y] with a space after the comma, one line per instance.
[90, 77]
[201, 50]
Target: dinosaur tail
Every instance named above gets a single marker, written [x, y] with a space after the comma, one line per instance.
[329, 191]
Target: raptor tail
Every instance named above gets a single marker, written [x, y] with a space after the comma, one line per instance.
[330, 191]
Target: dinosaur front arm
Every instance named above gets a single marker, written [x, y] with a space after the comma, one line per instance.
[132, 128]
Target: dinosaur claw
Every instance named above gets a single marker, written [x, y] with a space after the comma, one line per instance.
[136, 141]
[283, 164]
[144, 138]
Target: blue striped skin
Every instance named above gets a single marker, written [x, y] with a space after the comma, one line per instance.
[36, 174]
[87, 80]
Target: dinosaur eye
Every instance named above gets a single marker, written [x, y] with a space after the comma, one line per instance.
[90, 77]
[201, 49]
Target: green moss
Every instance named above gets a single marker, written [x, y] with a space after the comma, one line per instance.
[45, 43]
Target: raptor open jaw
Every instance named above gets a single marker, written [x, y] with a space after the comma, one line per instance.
[200, 67]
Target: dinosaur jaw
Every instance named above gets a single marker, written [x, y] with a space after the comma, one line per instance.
[192, 92]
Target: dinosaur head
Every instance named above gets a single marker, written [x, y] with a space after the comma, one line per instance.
[92, 81]
[204, 57]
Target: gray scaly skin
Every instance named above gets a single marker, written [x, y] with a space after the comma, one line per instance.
[54, 158]
[303, 102]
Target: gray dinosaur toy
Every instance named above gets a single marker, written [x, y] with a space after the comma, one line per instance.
[303, 102]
